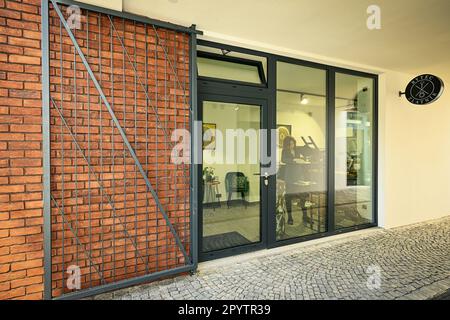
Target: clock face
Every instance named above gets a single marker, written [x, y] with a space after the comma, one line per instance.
[424, 89]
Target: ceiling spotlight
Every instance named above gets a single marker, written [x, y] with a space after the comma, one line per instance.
[236, 108]
[303, 99]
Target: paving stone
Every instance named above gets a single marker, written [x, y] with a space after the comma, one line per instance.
[404, 263]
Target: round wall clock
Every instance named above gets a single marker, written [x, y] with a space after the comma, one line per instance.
[424, 89]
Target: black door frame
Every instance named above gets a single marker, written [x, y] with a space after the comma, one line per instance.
[269, 93]
[264, 190]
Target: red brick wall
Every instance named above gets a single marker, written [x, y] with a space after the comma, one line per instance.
[105, 238]
[21, 255]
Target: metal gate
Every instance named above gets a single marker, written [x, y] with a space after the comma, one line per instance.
[117, 210]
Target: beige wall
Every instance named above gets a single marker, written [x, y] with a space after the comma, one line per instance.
[110, 4]
[414, 156]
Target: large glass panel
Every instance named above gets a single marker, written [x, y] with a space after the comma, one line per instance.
[301, 161]
[354, 142]
[231, 175]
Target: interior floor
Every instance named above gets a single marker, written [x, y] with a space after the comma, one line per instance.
[241, 224]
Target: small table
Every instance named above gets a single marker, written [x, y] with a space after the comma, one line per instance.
[212, 194]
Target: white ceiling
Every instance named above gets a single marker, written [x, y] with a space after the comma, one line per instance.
[415, 34]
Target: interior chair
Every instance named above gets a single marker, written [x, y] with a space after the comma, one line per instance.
[236, 182]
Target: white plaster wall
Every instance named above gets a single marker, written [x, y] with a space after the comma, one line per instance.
[414, 156]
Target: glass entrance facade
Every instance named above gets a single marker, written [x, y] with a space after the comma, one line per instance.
[323, 153]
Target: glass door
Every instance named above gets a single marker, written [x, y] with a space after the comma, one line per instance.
[233, 189]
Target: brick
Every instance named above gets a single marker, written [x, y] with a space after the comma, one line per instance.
[11, 258]
[25, 162]
[10, 31]
[34, 296]
[12, 49]
[26, 213]
[21, 7]
[31, 17]
[23, 248]
[34, 204]
[35, 272]
[5, 268]
[11, 240]
[12, 206]
[11, 224]
[5, 286]
[22, 42]
[11, 67]
[22, 77]
[11, 172]
[32, 34]
[22, 25]
[24, 59]
[10, 103]
[26, 196]
[35, 288]
[27, 128]
[25, 231]
[26, 281]
[12, 189]
[10, 14]
[34, 222]
[23, 145]
[11, 84]
[12, 293]
[26, 265]
[35, 255]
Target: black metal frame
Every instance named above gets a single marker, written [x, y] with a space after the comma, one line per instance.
[236, 89]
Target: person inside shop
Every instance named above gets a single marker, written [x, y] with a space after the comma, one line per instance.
[291, 157]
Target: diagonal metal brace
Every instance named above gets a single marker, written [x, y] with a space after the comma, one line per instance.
[120, 129]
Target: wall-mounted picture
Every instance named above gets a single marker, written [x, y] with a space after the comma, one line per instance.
[209, 140]
[284, 130]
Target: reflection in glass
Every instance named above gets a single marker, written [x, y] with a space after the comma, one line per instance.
[353, 145]
[229, 70]
[231, 185]
[301, 162]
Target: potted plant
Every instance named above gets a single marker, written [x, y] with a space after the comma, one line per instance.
[208, 174]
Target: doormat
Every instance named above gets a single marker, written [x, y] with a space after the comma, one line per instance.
[224, 241]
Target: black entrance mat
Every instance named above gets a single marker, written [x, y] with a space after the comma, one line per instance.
[224, 241]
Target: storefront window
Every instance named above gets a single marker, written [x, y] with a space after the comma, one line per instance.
[301, 157]
[353, 151]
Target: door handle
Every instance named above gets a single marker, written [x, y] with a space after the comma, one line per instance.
[266, 179]
[265, 176]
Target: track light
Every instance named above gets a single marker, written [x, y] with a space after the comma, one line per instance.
[303, 99]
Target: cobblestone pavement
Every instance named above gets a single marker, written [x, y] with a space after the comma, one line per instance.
[413, 263]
